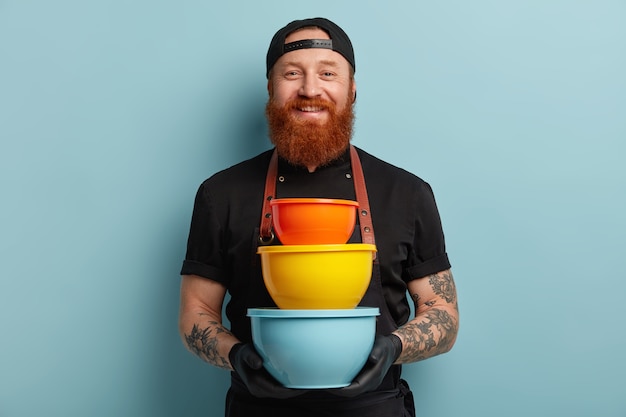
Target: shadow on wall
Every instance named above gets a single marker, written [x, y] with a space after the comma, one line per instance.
[250, 136]
[242, 132]
[183, 385]
[177, 382]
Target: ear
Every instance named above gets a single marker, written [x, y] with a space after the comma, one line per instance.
[353, 91]
[269, 87]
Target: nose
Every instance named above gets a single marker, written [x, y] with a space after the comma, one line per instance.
[310, 87]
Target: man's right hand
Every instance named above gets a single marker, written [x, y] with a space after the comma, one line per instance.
[249, 366]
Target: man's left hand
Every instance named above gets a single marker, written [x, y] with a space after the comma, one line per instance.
[384, 353]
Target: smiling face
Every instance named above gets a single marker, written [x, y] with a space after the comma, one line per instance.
[309, 110]
[313, 73]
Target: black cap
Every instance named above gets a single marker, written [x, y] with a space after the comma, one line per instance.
[338, 42]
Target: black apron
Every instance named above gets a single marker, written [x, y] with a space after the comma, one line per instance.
[393, 397]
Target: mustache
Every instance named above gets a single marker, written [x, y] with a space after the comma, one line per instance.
[301, 102]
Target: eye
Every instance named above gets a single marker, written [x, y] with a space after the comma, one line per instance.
[291, 74]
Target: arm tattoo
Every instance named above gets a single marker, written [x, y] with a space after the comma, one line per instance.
[435, 331]
[443, 286]
[203, 342]
[433, 335]
[416, 299]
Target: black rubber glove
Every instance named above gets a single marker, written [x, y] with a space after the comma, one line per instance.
[249, 366]
[384, 353]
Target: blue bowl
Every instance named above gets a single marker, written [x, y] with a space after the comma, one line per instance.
[312, 349]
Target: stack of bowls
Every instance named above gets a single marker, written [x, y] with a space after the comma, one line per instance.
[318, 337]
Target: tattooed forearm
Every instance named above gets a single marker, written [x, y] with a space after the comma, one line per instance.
[434, 334]
[433, 330]
[203, 342]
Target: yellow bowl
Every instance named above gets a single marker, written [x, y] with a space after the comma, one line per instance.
[317, 276]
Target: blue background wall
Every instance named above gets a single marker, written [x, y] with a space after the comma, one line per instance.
[113, 112]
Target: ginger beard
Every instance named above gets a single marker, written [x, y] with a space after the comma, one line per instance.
[309, 143]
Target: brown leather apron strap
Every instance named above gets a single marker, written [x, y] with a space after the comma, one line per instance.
[266, 235]
[365, 216]
[374, 294]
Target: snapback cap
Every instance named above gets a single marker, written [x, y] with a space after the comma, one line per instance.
[338, 42]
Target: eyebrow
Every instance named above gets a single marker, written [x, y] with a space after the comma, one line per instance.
[330, 63]
[326, 62]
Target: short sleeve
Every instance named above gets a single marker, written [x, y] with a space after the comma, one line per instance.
[204, 253]
[428, 254]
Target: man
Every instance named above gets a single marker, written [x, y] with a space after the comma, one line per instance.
[310, 70]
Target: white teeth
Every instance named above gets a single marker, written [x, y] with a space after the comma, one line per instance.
[307, 109]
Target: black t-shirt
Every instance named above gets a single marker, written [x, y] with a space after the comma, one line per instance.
[227, 213]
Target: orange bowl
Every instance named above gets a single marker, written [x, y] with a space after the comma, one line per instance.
[313, 221]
